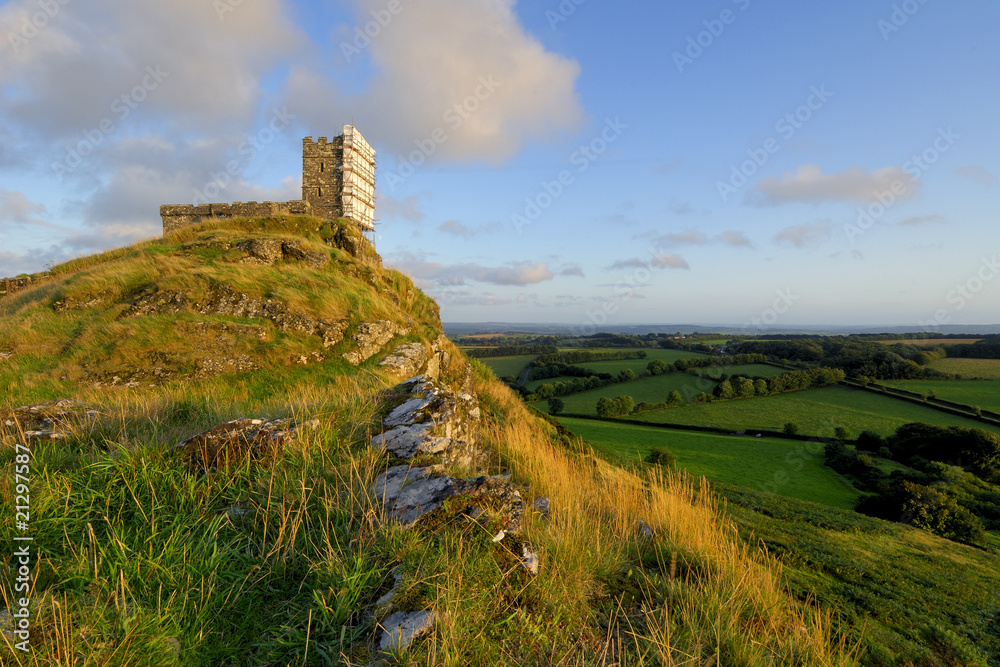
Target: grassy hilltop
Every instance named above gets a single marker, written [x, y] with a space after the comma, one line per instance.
[141, 558]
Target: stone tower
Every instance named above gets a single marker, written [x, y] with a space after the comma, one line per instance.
[338, 177]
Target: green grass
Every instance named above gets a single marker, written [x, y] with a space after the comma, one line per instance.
[817, 412]
[504, 366]
[984, 394]
[889, 583]
[988, 369]
[638, 365]
[787, 467]
[649, 389]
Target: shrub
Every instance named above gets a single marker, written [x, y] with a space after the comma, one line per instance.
[842, 433]
[870, 441]
[791, 428]
[662, 456]
[556, 405]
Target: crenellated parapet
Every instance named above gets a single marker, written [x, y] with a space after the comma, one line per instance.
[176, 216]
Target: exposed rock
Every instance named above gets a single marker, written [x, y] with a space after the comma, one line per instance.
[433, 421]
[156, 303]
[402, 628]
[530, 561]
[294, 250]
[542, 506]
[45, 421]
[406, 360]
[239, 330]
[370, 338]
[261, 251]
[239, 440]
[269, 251]
[82, 302]
[643, 529]
[239, 364]
[422, 497]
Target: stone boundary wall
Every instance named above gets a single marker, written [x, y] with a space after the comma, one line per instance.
[178, 216]
[10, 286]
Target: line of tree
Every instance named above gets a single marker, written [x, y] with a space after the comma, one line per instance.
[858, 358]
[587, 356]
[741, 386]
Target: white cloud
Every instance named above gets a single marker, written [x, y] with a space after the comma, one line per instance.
[515, 273]
[695, 237]
[658, 261]
[442, 53]
[802, 236]
[810, 185]
[736, 239]
[978, 173]
[456, 228]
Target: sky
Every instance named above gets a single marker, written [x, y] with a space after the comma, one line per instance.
[739, 162]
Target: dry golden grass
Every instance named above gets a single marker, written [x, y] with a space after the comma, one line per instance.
[707, 598]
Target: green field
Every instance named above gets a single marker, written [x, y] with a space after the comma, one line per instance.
[787, 467]
[504, 366]
[969, 368]
[639, 365]
[979, 393]
[891, 584]
[817, 412]
[648, 389]
[750, 370]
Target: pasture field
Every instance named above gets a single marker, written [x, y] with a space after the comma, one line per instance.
[988, 369]
[978, 393]
[504, 366]
[787, 467]
[817, 412]
[648, 389]
[932, 342]
[750, 370]
[638, 365]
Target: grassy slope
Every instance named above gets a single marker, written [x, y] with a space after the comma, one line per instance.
[817, 411]
[978, 393]
[98, 338]
[895, 585]
[144, 562]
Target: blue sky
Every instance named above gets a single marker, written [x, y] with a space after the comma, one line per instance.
[589, 163]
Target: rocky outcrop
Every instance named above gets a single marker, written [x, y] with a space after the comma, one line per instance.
[239, 440]
[224, 300]
[45, 421]
[268, 251]
[371, 337]
[401, 629]
[407, 360]
[433, 427]
[433, 420]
